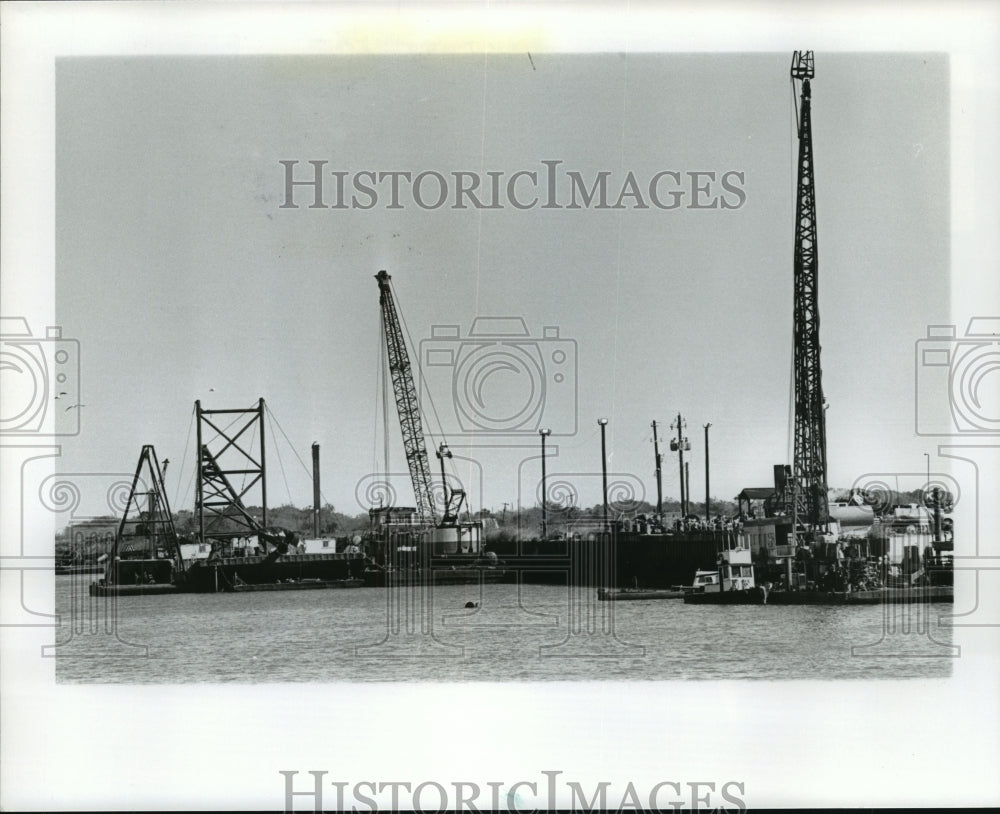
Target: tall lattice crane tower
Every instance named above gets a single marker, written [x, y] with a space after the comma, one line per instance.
[405, 392]
[809, 487]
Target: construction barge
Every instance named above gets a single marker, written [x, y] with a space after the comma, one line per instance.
[882, 596]
[902, 556]
[793, 551]
[145, 577]
[899, 555]
[234, 549]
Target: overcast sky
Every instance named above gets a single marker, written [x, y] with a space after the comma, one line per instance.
[184, 278]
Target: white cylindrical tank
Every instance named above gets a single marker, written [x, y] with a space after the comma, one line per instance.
[851, 517]
[445, 540]
[459, 539]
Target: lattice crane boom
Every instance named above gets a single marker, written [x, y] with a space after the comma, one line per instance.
[407, 406]
[809, 466]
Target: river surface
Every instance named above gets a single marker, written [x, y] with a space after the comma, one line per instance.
[517, 633]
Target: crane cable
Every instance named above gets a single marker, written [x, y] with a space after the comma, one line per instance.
[273, 418]
[281, 465]
[427, 397]
[253, 437]
[379, 384]
[385, 376]
[420, 374]
[381, 467]
[180, 470]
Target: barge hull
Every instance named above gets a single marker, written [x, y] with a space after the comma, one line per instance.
[234, 573]
[637, 561]
[102, 589]
[632, 595]
[887, 596]
[304, 585]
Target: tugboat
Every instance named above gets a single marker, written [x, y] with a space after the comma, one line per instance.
[733, 572]
[732, 580]
[841, 572]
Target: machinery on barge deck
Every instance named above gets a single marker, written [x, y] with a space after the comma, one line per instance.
[795, 541]
[404, 540]
[233, 548]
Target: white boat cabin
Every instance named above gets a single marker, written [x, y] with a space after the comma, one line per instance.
[734, 572]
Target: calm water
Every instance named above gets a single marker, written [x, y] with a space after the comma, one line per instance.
[529, 633]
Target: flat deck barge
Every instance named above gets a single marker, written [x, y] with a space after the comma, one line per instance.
[103, 589]
[884, 596]
[300, 585]
[637, 594]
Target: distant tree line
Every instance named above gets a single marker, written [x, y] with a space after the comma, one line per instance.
[501, 522]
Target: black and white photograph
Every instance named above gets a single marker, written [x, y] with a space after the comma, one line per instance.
[513, 409]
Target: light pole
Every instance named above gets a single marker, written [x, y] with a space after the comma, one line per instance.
[659, 475]
[316, 490]
[708, 518]
[442, 453]
[687, 487]
[543, 434]
[679, 444]
[604, 468]
[933, 496]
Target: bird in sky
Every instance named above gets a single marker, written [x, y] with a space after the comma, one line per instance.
[74, 406]
[61, 393]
